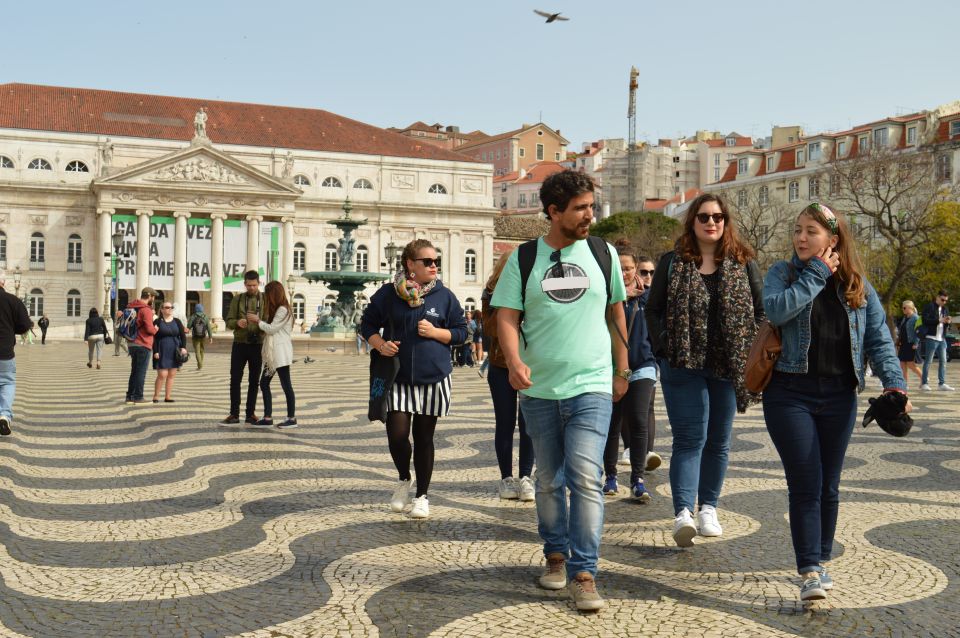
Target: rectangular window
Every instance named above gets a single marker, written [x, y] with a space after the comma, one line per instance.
[522, 152]
[841, 149]
[771, 164]
[3, 250]
[716, 174]
[498, 153]
[880, 138]
[864, 142]
[716, 160]
[535, 198]
[522, 200]
[799, 157]
[813, 151]
[539, 152]
[793, 193]
[483, 156]
[763, 197]
[954, 128]
[730, 141]
[912, 135]
[557, 155]
[944, 168]
[742, 165]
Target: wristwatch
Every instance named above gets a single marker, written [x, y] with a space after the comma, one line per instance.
[623, 374]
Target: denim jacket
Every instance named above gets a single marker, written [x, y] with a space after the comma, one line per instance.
[788, 305]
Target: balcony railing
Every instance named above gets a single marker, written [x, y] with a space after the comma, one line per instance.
[38, 265]
[74, 266]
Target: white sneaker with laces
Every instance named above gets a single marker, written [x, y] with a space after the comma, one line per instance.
[653, 461]
[926, 387]
[508, 488]
[625, 459]
[707, 521]
[401, 496]
[683, 529]
[527, 490]
[943, 387]
[421, 508]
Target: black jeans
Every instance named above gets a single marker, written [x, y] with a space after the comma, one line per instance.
[284, 373]
[651, 425]
[505, 411]
[632, 411]
[139, 362]
[244, 355]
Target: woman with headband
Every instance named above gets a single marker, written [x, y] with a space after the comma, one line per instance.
[830, 319]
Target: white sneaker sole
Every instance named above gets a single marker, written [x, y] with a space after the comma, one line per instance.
[653, 462]
[708, 533]
[552, 585]
[526, 498]
[420, 515]
[683, 537]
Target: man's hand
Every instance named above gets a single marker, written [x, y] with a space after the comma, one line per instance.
[241, 323]
[519, 375]
[620, 386]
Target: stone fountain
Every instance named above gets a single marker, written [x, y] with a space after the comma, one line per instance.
[347, 281]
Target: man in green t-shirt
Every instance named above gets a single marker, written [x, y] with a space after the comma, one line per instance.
[571, 363]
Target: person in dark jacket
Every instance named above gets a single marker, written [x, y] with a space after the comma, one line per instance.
[169, 344]
[908, 340]
[936, 318]
[14, 321]
[420, 318]
[247, 348]
[43, 324]
[94, 333]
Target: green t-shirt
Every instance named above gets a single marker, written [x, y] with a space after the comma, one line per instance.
[568, 344]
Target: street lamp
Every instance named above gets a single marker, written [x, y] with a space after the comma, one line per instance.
[17, 275]
[107, 284]
[392, 252]
[291, 285]
[117, 240]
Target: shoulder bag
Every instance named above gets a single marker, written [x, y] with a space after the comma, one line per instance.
[383, 373]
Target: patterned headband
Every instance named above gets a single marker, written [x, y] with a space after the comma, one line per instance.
[831, 218]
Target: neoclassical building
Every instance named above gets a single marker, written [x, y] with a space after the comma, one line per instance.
[219, 188]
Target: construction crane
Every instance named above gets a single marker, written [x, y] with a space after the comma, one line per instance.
[632, 140]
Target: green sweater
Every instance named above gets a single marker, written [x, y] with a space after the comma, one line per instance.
[240, 305]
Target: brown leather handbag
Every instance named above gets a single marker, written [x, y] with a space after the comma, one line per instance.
[763, 356]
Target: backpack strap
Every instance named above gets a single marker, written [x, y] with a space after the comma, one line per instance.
[526, 257]
[601, 252]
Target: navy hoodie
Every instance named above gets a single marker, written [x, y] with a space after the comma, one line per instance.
[422, 361]
[640, 353]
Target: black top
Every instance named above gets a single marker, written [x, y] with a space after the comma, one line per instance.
[714, 348]
[829, 354]
[94, 326]
[14, 320]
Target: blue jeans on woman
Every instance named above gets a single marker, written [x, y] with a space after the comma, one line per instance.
[568, 438]
[505, 413]
[810, 420]
[701, 408]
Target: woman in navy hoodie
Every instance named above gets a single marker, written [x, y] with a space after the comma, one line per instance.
[419, 318]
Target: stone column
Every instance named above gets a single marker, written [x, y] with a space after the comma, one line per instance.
[286, 250]
[143, 251]
[104, 247]
[180, 260]
[216, 267]
[452, 262]
[253, 241]
[485, 258]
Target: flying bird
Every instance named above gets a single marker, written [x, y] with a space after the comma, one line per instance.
[551, 17]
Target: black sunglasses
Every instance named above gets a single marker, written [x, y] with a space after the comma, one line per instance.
[717, 218]
[429, 261]
[557, 264]
[645, 273]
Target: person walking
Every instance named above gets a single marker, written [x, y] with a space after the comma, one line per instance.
[507, 415]
[169, 345]
[119, 343]
[936, 318]
[704, 309]
[43, 324]
[420, 318]
[908, 338]
[14, 320]
[477, 317]
[201, 333]
[277, 327]
[830, 319]
[141, 348]
[94, 333]
[569, 288]
[633, 410]
[246, 351]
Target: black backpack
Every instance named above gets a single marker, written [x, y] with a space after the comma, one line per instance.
[199, 327]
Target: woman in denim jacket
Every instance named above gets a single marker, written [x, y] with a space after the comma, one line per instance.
[830, 320]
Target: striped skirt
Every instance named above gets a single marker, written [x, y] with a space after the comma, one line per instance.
[429, 400]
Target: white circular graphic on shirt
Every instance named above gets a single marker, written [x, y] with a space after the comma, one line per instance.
[567, 287]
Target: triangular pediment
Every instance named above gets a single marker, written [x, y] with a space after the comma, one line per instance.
[197, 167]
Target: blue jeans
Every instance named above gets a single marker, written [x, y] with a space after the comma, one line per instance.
[505, 413]
[940, 348]
[810, 421]
[139, 362]
[568, 438]
[701, 408]
[8, 386]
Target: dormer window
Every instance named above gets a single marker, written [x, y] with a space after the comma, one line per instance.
[731, 141]
[879, 137]
[954, 128]
[742, 165]
[841, 148]
[800, 154]
[864, 143]
[771, 164]
[813, 151]
[912, 135]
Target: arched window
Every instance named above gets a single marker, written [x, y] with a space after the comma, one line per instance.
[437, 189]
[363, 184]
[5, 162]
[35, 303]
[793, 194]
[74, 253]
[299, 306]
[76, 166]
[328, 301]
[299, 258]
[39, 164]
[37, 252]
[73, 303]
[301, 180]
[469, 304]
[813, 188]
[470, 265]
[3, 249]
[330, 258]
[363, 259]
[331, 182]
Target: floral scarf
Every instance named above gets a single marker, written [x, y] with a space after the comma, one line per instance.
[410, 291]
[687, 305]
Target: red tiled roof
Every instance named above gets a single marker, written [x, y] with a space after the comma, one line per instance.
[508, 177]
[110, 113]
[539, 172]
[507, 135]
[943, 130]
[654, 204]
[763, 166]
[788, 160]
[730, 174]
[689, 194]
[741, 141]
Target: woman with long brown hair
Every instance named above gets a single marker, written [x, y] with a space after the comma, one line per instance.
[703, 312]
[277, 327]
[830, 320]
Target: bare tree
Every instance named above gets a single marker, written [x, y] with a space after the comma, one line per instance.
[761, 220]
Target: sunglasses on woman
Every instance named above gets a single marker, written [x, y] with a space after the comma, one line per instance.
[166, 307]
[717, 218]
[429, 262]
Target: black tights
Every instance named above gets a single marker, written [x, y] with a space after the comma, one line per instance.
[398, 436]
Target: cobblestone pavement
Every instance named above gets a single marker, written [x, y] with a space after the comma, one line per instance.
[150, 521]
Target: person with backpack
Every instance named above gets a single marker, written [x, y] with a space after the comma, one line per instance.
[246, 350]
[567, 361]
[200, 333]
[94, 333]
[137, 327]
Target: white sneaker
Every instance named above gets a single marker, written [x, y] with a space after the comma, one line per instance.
[401, 496]
[943, 387]
[625, 459]
[527, 490]
[421, 508]
[683, 529]
[926, 387]
[508, 488]
[653, 461]
[707, 521]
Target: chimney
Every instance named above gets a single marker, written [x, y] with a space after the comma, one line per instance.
[683, 196]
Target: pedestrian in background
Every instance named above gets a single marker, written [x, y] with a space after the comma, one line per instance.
[14, 320]
[119, 343]
[201, 333]
[277, 327]
[169, 346]
[936, 318]
[43, 324]
[94, 333]
[908, 338]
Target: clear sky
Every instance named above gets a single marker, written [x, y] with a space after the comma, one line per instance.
[740, 65]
